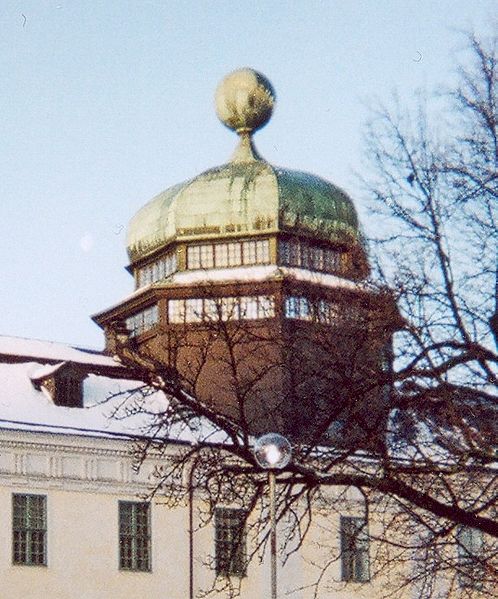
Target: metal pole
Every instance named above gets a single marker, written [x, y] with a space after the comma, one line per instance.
[273, 534]
[191, 538]
[191, 526]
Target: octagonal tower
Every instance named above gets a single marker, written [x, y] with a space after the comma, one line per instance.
[250, 285]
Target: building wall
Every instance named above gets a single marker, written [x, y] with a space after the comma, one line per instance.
[83, 549]
[84, 478]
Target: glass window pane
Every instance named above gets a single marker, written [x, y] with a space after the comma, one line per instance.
[284, 251]
[221, 255]
[230, 542]
[229, 308]
[206, 256]
[263, 251]
[193, 310]
[143, 320]
[306, 255]
[176, 311]
[291, 307]
[193, 256]
[29, 529]
[355, 565]
[294, 253]
[248, 307]
[317, 258]
[249, 251]
[211, 310]
[234, 254]
[134, 536]
[266, 307]
[305, 312]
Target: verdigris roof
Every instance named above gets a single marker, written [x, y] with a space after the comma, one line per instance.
[247, 195]
[243, 197]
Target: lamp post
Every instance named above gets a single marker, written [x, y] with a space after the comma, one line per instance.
[272, 452]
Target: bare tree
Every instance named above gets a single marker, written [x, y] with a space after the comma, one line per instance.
[435, 189]
[415, 439]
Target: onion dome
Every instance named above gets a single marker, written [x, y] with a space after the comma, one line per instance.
[247, 195]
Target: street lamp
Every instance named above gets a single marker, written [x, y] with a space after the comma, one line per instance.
[272, 452]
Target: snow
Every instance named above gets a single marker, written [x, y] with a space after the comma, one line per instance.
[111, 408]
[46, 371]
[243, 274]
[48, 350]
[23, 406]
[259, 273]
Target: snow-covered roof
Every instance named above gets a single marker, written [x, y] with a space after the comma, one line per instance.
[24, 407]
[113, 406]
[244, 274]
[18, 347]
[260, 273]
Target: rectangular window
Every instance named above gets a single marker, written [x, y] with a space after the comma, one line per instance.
[157, 270]
[302, 308]
[318, 258]
[248, 308]
[327, 312]
[305, 309]
[250, 253]
[145, 276]
[143, 321]
[221, 255]
[68, 390]
[306, 256]
[215, 309]
[262, 251]
[298, 307]
[176, 311]
[234, 254]
[206, 255]
[266, 306]
[294, 253]
[193, 310]
[331, 258]
[229, 308]
[29, 530]
[470, 567]
[212, 310]
[355, 562]
[284, 251]
[170, 264]
[292, 307]
[256, 252]
[230, 541]
[134, 536]
[193, 257]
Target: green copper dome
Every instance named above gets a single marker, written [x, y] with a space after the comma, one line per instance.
[247, 195]
[243, 198]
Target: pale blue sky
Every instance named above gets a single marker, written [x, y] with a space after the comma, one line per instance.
[105, 103]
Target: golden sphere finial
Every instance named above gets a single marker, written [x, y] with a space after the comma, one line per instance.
[245, 100]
